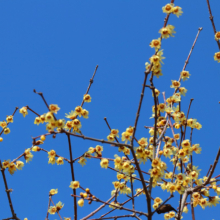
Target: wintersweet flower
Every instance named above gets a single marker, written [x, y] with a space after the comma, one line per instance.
[217, 36]
[53, 192]
[125, 137]
[115, 132]
[1, 139]
[19, 165]
[87, 98]
[143, 142]
[36, 148]
[5, 163]
[71, 115]
[59, 206]
[82, 161]
[51, 153]
[52, 160]
[98, 149]
[177, 11]
[67, 218]
[9, 119]
[217, 57]
[3, 124]
[23, 111]
[175, 84]
[37, 121]
[182, 91]
[81, 202]
[74, 184]
[49, 117]
[78, 111]
[156, 43]
[185, 75]
[168, 8]
[11, 168]
[158, 200]
[77, 123]
[60, 161]
[60, 123]
[28, 155]
[110, 137]
[104, 163]
[85, 113]
[167, 31]
[52, 210]
[7, 130]
[213, 201]
[54, 108]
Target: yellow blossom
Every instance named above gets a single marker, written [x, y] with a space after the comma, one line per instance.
[177, 11]
[1, 139]
[28, 155]
[23, 111]
[59, 206]
[37, 121]
[52, 160]
[104, 163]
[167, 31]
[168, 8]
[78, 111]
[87, 98]
[217, 35]
[51, 153]
[11, 168]
[36, 148]
[53, 192]
[52, 210]
[7, 130]
[156, 43]
[85, 113]
[9, 119]
[82, 161]
[175, 84]
[81, 202]
[217, 57]
[54, 108]
[59, 161]
[3, 124]
[19, 165]
[74, 184]
[5, 163]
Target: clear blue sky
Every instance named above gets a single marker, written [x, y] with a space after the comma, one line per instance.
[54, 46]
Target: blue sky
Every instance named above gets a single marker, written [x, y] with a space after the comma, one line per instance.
[54, 46]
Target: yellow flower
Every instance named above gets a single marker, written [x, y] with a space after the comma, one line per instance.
[1, 139]
[60, 123]
[28, 155]
[67, 218]
[5, 163]
[54, 108]
[43, 137]
[115, 132]
[53, 192]
[82, 161]
[77, 123]
[217, 36]
[203, 203]
[130, 130]
[59, 206]
[3, 124]
[185, 75]
[87, 98]
[52, 160]
[125, 137]
[37, 120]
[81, 202]
[185, 144]
[69, 125]
[59, 161]
[85, 113]
[11, 168]
[99, 149]
[19, 165]
[175, 84]
[168, 8]
[6, 131]
[177, 11]
[23, 111]
[185, 209]
[49, 117]
[143, 142]
[167, 31]
[166, 216]
[74, 184]
[78, 111]
[213, 201]
[42, 118]
[9, 119]
[183, 91]
[110, 137]
[158, 200]
[36, 148]
[156, 43]
[52, 210]
[198, 126]
[104, 163]
[196, 148]
[51, 153]
[217, 57]
[157, 58]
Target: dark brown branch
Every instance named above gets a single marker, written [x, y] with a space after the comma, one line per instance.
[212, 21]
[73, 177]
